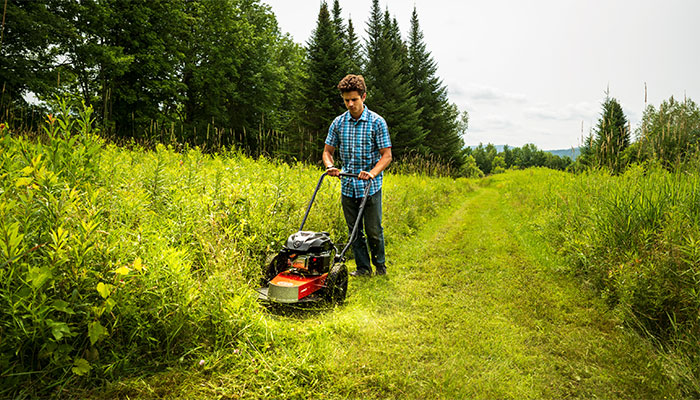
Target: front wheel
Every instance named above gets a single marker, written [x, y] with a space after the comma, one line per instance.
[274, 264]
[337, 284]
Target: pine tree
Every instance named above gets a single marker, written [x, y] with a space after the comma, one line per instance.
[326, 66]
[612, 135]
[437, 116]
[389, 90]
[338, 20]
[352, 50]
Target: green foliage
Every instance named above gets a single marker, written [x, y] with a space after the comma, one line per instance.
[26, 52]
[389, 88]
[205, 72]
[470, 169]
[612, 136]
[634, 237]
[488, 159]
[670, 134]
[438, 117]
[352, 49]
[327, 64]
[117, 261]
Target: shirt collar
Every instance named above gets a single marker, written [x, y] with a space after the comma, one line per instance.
[363, 117]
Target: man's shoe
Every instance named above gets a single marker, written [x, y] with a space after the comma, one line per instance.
[380, 270]
[359, 273]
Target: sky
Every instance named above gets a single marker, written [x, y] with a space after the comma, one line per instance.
[537, 71]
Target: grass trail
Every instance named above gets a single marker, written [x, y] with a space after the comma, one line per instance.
[473, 308]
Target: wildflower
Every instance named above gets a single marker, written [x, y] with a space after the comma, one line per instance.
[51, 119]
[235, 351]
[201, 362]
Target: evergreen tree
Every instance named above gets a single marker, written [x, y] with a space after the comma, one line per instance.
[389, 90]
[437, 116]
[612, 135]
[352, 50]
[338, 20]
[326, 66]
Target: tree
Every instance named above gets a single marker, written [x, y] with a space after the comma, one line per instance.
[389, 90]
[326, 66]
[338, 21]
[437, 116]
[150, 86]
[612, 135]
[352, 50]
[28, 53]
[671, 133]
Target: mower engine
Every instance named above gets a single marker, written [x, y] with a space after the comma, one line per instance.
[301, 268]
[310, 252]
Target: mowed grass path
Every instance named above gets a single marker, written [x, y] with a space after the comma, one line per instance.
[475, 308]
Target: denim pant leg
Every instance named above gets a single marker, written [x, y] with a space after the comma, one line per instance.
[372, 219]
[374, 230]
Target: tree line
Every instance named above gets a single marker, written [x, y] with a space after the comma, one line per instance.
[220, 73]
[669, 134]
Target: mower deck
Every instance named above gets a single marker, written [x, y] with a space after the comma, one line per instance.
[288, 287]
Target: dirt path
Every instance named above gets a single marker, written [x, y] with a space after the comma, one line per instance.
[475, 308]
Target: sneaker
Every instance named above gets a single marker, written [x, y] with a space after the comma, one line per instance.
[359, 273]
[381, 270]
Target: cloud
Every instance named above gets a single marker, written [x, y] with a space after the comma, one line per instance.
[483, 94]
[569, 112]
[489, 123]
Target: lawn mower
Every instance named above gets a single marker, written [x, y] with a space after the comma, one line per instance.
[309, 267]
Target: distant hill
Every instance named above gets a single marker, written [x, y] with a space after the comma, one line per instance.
[571, 153]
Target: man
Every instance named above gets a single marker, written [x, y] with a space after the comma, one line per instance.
[362, 138]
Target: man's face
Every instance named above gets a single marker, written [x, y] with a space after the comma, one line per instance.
[354, 102]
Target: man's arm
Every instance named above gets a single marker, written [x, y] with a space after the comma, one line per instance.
[328, 151]
[381, 165]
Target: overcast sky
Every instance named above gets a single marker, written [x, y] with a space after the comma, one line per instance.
[536, 71]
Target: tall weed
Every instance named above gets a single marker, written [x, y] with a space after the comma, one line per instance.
[635, 238]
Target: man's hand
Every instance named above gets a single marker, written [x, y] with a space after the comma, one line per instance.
[364, 175]
[332, 171]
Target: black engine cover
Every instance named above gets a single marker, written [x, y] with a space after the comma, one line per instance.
[309, 242]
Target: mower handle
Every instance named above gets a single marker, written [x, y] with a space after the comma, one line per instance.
[359, 214]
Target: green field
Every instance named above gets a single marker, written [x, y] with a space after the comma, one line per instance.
[131, 273]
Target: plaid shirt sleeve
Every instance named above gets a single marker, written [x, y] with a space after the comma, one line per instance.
[333, 138]
[381, 131]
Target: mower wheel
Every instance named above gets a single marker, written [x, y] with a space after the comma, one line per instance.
[273, 266]
[337, 284]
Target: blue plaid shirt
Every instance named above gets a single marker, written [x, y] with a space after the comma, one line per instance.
[358, 142]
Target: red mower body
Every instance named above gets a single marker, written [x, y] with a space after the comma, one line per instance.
[288, 287]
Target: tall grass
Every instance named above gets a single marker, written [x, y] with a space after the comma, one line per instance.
[117, 261]
[636, 239]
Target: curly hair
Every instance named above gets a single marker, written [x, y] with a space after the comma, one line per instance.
[352, 83]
